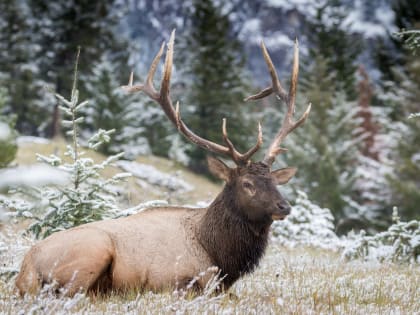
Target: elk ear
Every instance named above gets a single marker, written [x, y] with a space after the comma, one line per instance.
[218, 168]
[283, 175]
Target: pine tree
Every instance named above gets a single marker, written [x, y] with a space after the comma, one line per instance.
[60, 27]
[87, 196]
[19, 71]
[325, 149]
[406, 153]
[216, 89]
[327, 37]
[111, 108]
[401, 94]
[372, 190]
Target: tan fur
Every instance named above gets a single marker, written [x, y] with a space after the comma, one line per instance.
[152, 250]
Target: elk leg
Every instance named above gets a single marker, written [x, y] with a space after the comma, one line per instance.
[28, 279]
[83, 274]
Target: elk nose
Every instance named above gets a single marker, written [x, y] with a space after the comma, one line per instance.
[284, 207]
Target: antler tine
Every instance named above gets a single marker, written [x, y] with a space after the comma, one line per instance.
[275, 86]
[153, 66]
[247, 155]
[166, 79]
[288, 124]
[293, 79]
[148, 87]
[164, 100]
[239, 158]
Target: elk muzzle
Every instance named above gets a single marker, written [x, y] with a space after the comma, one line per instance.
[283, 209]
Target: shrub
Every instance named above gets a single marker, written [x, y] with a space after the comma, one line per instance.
[8, 135]
[89, 197]
[307, 224]
[400, 243]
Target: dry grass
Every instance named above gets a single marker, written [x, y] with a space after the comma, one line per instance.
[298, 281]
[288, 281]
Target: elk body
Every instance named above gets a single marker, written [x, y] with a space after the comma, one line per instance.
[168, 247]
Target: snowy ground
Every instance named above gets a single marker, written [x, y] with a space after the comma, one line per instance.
[301, 280]
[298, 281]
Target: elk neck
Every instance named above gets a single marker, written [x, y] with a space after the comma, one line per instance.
[234, 244]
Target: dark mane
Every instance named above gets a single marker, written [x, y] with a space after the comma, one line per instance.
[234, 244]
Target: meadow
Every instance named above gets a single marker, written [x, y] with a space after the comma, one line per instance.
[290, 279]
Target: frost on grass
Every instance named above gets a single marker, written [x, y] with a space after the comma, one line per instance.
[12, 249]
[155, 177]
[288, 281]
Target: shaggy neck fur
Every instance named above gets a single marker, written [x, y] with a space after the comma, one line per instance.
[234, 244]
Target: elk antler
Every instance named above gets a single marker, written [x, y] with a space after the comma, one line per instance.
[288, 124]
[164, 100]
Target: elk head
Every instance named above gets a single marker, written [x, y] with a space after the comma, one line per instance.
[252, 185]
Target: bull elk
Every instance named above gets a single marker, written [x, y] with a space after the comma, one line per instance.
[167, 247]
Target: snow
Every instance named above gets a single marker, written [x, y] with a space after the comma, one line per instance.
[306, 6]
[375, 24]
[414, 115]
[5, 131]
[34, 175]
[29, 139]
[359, 19]
[155, 177]
[277, 40]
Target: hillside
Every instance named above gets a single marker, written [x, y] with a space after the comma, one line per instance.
[158, 176]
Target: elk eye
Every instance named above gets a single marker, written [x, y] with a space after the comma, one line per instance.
[248, 185]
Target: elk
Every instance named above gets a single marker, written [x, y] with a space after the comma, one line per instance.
[167, 247]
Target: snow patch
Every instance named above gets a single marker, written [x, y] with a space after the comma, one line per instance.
[155, 177]
[36, 175]
[30, 139]
[5, 132]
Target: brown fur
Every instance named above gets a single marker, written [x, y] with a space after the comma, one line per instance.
[163, 248]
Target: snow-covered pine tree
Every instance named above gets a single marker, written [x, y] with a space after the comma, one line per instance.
[411, 39]
[89, 197]
[371, 189]
[59, 27]
[216, 83]
[399, 91]
[328, 36]
[399, 243]
[19, 68]
[307, 224]
[111, 108]
[325, 149]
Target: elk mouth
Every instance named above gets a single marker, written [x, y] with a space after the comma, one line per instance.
[278, 216]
